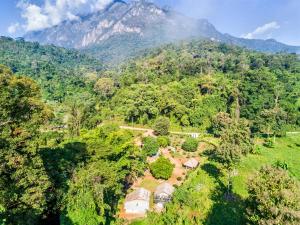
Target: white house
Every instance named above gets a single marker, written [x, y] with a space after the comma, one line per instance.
[138, 201]
[163, 193]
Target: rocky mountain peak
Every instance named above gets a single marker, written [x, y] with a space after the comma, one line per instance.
[123, 29]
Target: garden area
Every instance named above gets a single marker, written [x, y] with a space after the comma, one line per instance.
[202, 197]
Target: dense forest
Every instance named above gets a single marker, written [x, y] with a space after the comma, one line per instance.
[58, 71]
[64, 158]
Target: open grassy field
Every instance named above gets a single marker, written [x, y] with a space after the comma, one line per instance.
[286, 150]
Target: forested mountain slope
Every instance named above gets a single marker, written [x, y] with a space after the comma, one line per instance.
[193, 81]
[57, 70]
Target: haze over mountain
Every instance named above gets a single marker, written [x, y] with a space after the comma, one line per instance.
[121, 30]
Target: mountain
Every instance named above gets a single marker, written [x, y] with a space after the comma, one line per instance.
[122, 29]
[57, 70]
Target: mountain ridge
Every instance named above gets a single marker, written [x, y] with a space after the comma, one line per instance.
[140, 25]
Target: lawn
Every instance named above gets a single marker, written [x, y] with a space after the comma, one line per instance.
[285, 150]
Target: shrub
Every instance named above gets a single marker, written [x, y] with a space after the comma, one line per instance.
[163, 141]
[281, 165]
[161, 126]
[162, 168]
[151, 146]
[179, 178]
[190, 145]
[269, 143]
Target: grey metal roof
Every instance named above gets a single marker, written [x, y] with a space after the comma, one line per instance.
[191, 163]
[165, 188]
[139, 194]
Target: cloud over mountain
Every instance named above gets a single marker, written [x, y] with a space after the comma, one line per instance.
[53, 12]
[265, 29]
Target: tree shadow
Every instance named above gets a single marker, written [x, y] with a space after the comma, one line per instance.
[211, 155]
[59, 164]
[226, 212]
[228, 209]
[213, 171]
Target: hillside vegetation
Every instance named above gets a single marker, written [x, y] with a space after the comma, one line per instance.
[64, 158]
[60, 72]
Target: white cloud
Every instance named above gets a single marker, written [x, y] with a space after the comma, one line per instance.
[98, 5]
[13, 28]
[53, 12]
[265, 29]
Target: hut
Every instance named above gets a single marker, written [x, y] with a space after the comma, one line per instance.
[138, 201]
[163, 193]
[191, 164]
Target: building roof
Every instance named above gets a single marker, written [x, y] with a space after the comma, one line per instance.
[139, 194]
[191, 163]
[165, 188]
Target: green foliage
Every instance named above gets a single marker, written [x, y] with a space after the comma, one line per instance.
[105, 87]
[59, 71]
[235, 141]
[269, 143]
[220, 122]
[162, 168]
[24, 183]
[150, 146]
[190, 145]
[163, 141]
[274, 198]
[90, 194]
[281, 165]
[97, 186]
[191, 84]
[161, 126]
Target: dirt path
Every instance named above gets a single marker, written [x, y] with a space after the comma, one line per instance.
[150, 132]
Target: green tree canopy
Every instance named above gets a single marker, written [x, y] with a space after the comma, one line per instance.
[161, 126]
[274, 198]
[190, 145]
[24, 183]
[162, 168]
[150, 146]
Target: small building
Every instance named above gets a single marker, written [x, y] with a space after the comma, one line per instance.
[191, 164]
[195, 135]
[138, 201]
[163, 193]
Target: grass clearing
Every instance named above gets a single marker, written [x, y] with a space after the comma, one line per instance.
[286, 150]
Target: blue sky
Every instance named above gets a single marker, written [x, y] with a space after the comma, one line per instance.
[279, 19]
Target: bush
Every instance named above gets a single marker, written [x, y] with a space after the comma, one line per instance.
[179, 178]
[162, 168]
[269, 143]
[190, 145]
[163, 141]
[151, 146]
[161, 126]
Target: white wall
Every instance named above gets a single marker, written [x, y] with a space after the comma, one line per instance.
[137, 206]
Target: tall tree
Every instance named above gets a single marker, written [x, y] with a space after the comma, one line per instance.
[274, 198]
[235, 142]
[24, 183]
